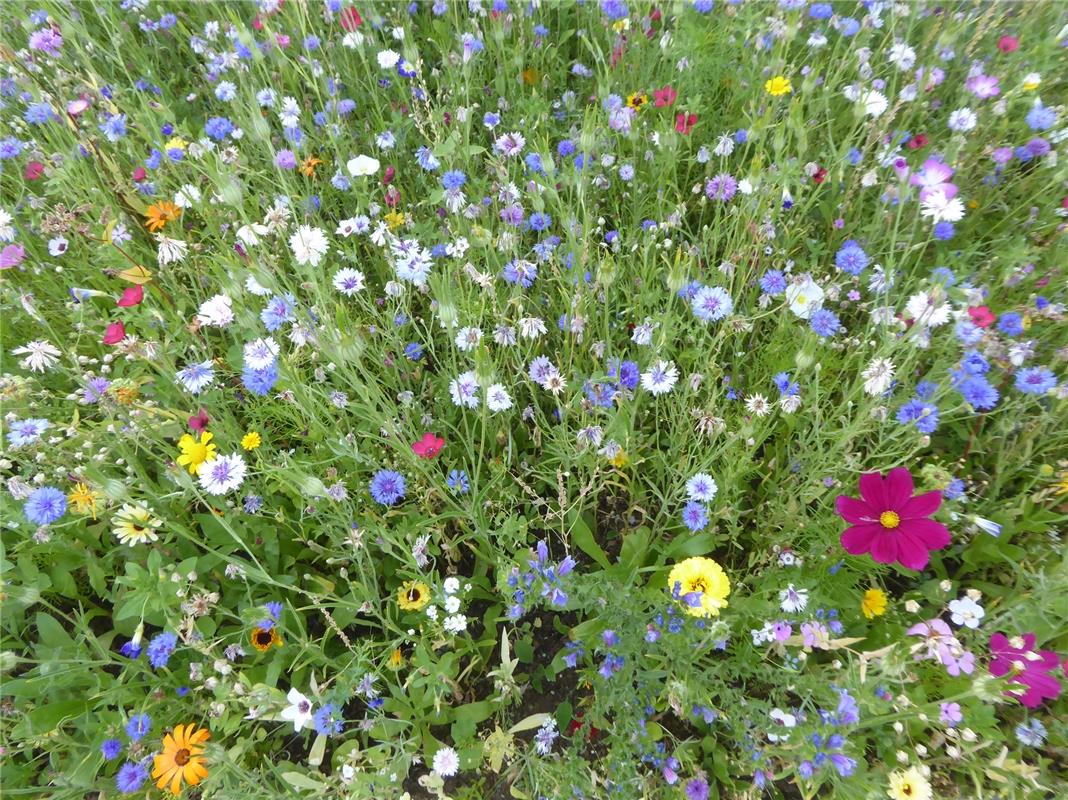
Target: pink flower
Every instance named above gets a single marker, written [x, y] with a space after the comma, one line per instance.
[115, 333]
[664, 97]
[11, 256]
[350, 19]
[429, 446]
[684, 123]
[1008, 44]
[132, 296]
[982, 316]
[1024, 665]
[889, 523]
[33, 171]
[199, 421]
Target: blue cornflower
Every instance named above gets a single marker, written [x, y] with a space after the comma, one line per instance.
[1035, 380]
[38, 113]
[943, 231]
[1031, 734]
[1041, 117]
[161, 648]
[426, 159]
[26, 431]
[138, 726]
[1011, 323]
[773, 282]
[711, 303]
[114, 127]
[784, 385]
[130, 777]
[260, 381]
[131, 649]
[196, 377]
[388, 487]
[565, 148]
[522, 272]
[954, 489]
[279, 310]
[974, 363]
[851, 258]
[614, 9]
[413, 351]
[110, 749]
[458, 481]
[453, 179]
[539, 221]
[274, 608]
[824, 322]
[924, 415]
[45, 505]
[533, 163]
[326, 720]
[978, 393]
[925, 389]
[820, 11]
[695, 516]
[967, 332]
[218, 128]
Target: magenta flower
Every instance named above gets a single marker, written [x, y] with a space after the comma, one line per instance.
[1017, 658]
[889, 523]
[934, 176]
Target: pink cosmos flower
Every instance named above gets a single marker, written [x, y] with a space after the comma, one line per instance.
[982, 316]
[429, 446]
[889, 523]
[115, 333]
[1017, 658]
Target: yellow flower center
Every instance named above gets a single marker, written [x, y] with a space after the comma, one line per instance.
[889, 519]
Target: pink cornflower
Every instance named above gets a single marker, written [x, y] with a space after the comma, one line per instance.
[1018, 658]
[889, 523]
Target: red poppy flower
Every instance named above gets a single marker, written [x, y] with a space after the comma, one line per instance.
[139, 174]
[132, 296]
[429, 446]
[1031, 668]
[889, 523]
[684, 123]
[115, 333]
[664, 97]
[982, 317]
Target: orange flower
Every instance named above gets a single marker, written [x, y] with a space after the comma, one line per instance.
[308, 165]
[159, 214]
[262, 638]
[182, 758]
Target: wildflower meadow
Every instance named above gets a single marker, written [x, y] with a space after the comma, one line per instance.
[534, 399]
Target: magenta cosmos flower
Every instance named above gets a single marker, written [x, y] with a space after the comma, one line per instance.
[891, 524]
[1017, 658]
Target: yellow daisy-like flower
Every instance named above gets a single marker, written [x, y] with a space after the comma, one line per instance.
[637, 100]
[909, 784]
[778, 86]
[413, 596]
[873, 603]
[394, 219]
[1031, 81]
[701, 585]
[396, 658]
[83, 498]
[182, 758]
[251, 440]
[620, 459]
[176, 143]
[159, 214]
[263, 639]
[196, 452]
[1061, 486]
[135, 524]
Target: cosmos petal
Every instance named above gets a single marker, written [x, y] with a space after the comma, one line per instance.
[872, 490]
[858, 539]
[933, 535]
[922, 505]
[899, 488]
[854, 511]
[884, 548]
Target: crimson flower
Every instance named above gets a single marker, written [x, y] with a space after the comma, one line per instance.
[1017, 658]
[132, 296]
[664, 97]
[350, 19]
[684, 123]
[889, 523]
[981, 316]
[429, 446]
[114, 333]
[199, 422]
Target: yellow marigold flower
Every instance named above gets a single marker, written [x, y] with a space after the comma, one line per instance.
[127, 395]
[159, 214]
[701, 585]
[620, 459]
[413, 596]
[251, 440]
[394, 219]
[778, 86]
[135, 524]
[182, 758]
[396, 658]
[83, 498]
[264, 638]
[194, 452]
[873, 603]
[909, 784]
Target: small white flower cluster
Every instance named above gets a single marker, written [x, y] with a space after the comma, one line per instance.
[455, 621]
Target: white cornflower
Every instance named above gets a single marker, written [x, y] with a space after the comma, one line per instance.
[467, 339]
[531, 327]
[387, 59]
[878, 376]
[464, 390]
[660, 378]
[250, 234]
[504, 335]
[874, 103]
[261, 353]
[348, 281]
[941, 208]
[309, 245]
[902, 56]
[216, 312]
[793, 600]
[170, 250]
[962, 120]
[222, 474]
[187, 196]
[497, 398]
[40, 355]
[927, 310]
[702, 488]
[299, 710]
[643, 334]
[757, 405]
[446, 762]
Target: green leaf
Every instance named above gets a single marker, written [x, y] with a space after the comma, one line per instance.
[298, 780]
[582, 536]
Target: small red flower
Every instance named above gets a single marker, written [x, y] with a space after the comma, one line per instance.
[392, 197]
[429, 446]
[982, 317]
[684, 123]
[139, 174]
[664, 97]
[34, 170]
[889, 523]
[820, 175]
[115, 333]
[387, 176]
[350, 19]
[917, 141]
[199, 421]
[132, 296]
[1008, 44]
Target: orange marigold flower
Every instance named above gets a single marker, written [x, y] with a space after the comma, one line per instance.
[159, 214]
[182, 758]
